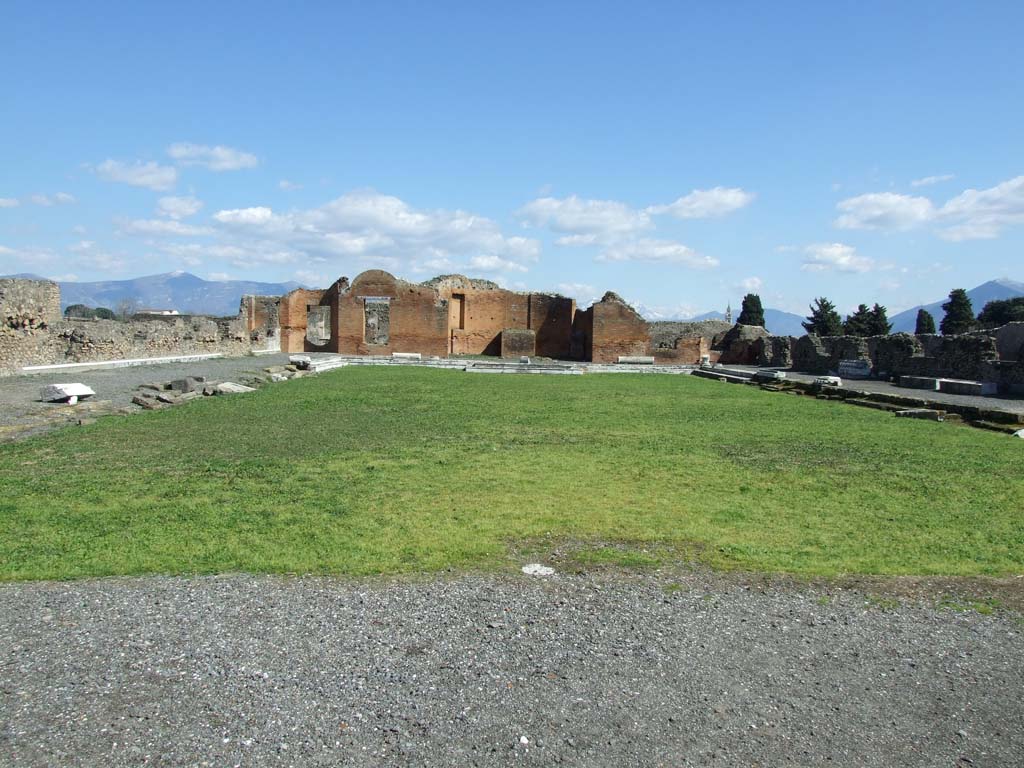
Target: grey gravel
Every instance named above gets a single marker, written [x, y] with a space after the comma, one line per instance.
[598, 669]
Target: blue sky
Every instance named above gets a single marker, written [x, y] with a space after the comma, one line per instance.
[680, 154]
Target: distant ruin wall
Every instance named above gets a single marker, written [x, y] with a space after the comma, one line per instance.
[32, 332]
[970, 356]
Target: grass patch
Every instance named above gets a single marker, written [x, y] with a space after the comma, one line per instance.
[383, 470]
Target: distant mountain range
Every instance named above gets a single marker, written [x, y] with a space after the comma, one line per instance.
[993, 290]
[174, 290]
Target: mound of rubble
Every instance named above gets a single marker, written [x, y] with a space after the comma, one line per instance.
[157, 395]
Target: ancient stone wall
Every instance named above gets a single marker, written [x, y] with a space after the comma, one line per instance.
[740, 345]
[968, 356]
[32, 331]
[684, 350]
[618, 330]
[517, 342]
[774, 351]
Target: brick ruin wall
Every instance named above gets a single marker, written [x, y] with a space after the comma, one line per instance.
[517, 342]
[33, 331]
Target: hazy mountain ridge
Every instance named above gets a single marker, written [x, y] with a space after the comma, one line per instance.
[993, 290]
[182, 291]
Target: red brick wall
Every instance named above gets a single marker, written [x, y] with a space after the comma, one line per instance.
[618, 330]
[292, 316]
[686, 352]
[418, 319]
[552, 318]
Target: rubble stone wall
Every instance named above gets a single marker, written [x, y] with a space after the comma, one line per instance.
[32, 331]
[517, 342]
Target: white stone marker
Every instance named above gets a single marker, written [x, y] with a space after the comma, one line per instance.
[64, 393]
[536, 569]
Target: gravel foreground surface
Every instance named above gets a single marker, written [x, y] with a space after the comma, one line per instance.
[598, 669]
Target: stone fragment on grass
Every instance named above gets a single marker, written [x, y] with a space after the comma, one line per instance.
[1019, 433]
[147, 403]
[188, 384]
[230, 388]
[64, 393]
[536, 569]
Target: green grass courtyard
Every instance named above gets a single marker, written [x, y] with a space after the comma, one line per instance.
[386, 470]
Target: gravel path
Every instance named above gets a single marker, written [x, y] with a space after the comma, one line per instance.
[601, 669]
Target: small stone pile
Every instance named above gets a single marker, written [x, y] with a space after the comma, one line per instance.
[158, 395]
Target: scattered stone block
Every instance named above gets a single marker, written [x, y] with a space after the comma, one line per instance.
[291, 368]
[963, 387]
[921, 413]
[919, 382]
[828, 381]
[770, 376]
[525, 360]
[169, 399]
[301, 361]
[1019, 433]
[275, 369]
[406, 356]
[230, 388]
[148, 403]
[152, 385]
[635, 360]
[187, 384]
[186, 396]
[64, 393]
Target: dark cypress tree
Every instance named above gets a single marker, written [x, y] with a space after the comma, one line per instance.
[925, 322]
[824, 320]
[878, 322]
[959, 314]
[1001, 312]
[752, 312]
[859, 323]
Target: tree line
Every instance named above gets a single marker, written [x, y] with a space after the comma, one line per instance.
[959, 317]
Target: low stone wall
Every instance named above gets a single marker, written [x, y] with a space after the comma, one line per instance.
[32, 331]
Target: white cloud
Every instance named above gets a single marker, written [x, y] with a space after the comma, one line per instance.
[163, 227]
[219, 276]
[884, 210]
[972, 215]
[826, 257]
[588, 220]
[706, 203]
[218, 158]
[983, 214]
[577, 289]
[258, 216]
[383, 229]
[61, 198]
[929, 180]
[658, 251]
[495, 264]
[178, 207]
[8, 202]
[751, 284]
[288, 186]
[138, 174]
[308, 277]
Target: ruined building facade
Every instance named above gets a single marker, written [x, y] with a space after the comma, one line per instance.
[379, 314]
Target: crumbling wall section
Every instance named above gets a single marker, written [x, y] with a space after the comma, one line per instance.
[618, 330]
[740, 345]
[774, 351]
[293, 311]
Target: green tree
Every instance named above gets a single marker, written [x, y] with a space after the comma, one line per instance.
[824, 320]
[79, 310]
[102, 313]
[859, 323]
[925, 322]
[752, 312]
[959, 314]
[878, 322]
[1002, 311]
